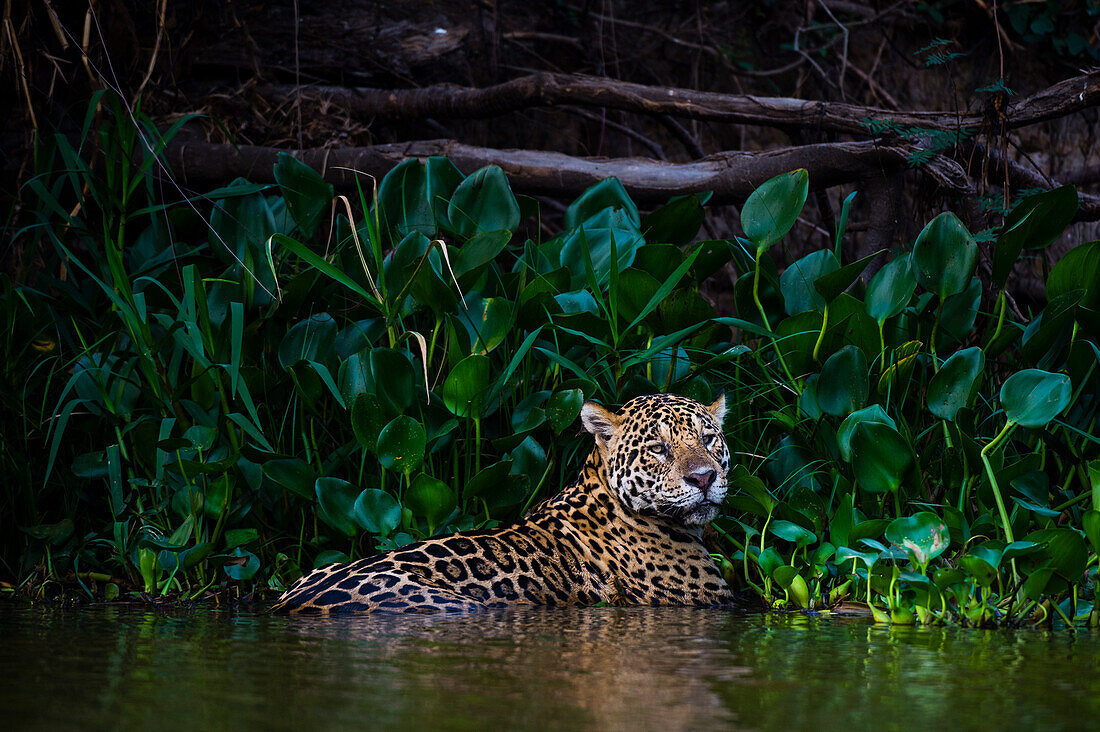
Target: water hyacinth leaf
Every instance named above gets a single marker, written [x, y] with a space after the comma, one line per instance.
[440, 181]
[487, 321]
[479, 251]
[240, 537]
[890, 289]
[1035, 508]
[401, 444]
[677, 222]
[830, 285]
[958, 315]
[1066, 551]
[1020, 549]
[403, 205]
[792, 532]
[1090, 522]
[868, 559]
[843, 386]
[309, 340]
[769, 561]
[463, 391]
[337, 504]
[955, 385]
[873, 413]
[924, 535]
[797, 281]
[944, 256]
[608, 193]
[771, 210]
[483, 202]
[880, 457]
[1033, 397]
[1036, 221]
[377, 512]
[307, 194]
[980, 569]
[563, 408]
[368, 417]
[242, 565]
[394, 378]
[293, 474]
[1078, 269]
[431, 499]
[594, 239]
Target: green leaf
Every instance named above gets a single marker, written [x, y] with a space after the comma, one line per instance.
[403, 204]
[1033, 397]
[377, 512]
[771, 210]
[944, 256]
[924, 535]
[242, 570]
[487, 321]
[463, 392]
[792, 532]
[240, 537]
[797, 281]
[293, 474]
[431, 499]
[368, 417]
[593, 240]
[770, 561]
[563, 408]
[880, 457]
[890, 289]
[483, 202]
[956, 383]
[609, 193]
[1078, 269]
[401, 444]
[980, 569]
[830, 285]
[873, 413]
[394, 379]
[1090, 522]
[1035, 223]
[309, 340]
[337, 499]
[677, 222]
[307, 194]
[843, 386]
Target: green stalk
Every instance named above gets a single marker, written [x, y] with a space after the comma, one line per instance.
[993, 445]
[821, 335]
[767, 325]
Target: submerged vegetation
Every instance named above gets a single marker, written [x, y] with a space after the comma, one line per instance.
[234, 388]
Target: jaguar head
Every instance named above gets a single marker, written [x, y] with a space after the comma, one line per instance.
[664, 455]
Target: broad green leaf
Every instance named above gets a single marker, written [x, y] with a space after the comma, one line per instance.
[797, 281]
[890, 289]
[770, 561]
[401, 444]
[431, 499]
[978, 568]
[880, 457]
[293, 474]
[368, 417]
[956, 383]
[307, 195]
[1078, 269]
[792, 532]
[771, 210]
[677, 222]
[563, 408]
[1037, 221]
[608, 193]
[240, 537]
[944, 256]
[403, 205]
[337, 502]
[1032, 397]
[830, 285]
[1090, 522]
[243, 566]
[309, 340]
[394, 378]
[377, 511]
[924, 535]
[487, 321]
[593, 239]
[483, 202]
[464, 390]
[873, 413]
[843, 387]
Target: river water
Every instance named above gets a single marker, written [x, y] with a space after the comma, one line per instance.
[537, 668]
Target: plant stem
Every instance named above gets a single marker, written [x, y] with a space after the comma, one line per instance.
[767, 325]
[993, 445]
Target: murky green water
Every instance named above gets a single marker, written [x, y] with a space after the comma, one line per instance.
[605, 668]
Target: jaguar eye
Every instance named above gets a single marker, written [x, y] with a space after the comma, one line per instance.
[708, 439]
[658, 448]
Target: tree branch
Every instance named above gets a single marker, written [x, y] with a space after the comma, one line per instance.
[732, 176]
[548, 89]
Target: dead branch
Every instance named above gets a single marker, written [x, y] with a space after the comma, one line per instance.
[732, 176]
[549, 89]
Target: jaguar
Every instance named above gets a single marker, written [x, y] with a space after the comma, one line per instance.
[628, 531]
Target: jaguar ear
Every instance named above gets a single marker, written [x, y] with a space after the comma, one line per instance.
[718, 409]
[599, 421]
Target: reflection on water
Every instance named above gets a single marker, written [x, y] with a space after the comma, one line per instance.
[604, 668]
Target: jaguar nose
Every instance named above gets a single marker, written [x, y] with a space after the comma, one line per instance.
[701, 479]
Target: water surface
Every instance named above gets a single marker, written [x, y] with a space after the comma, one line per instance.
[594, 668]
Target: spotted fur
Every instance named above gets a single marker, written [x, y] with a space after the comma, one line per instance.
[626, 532]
